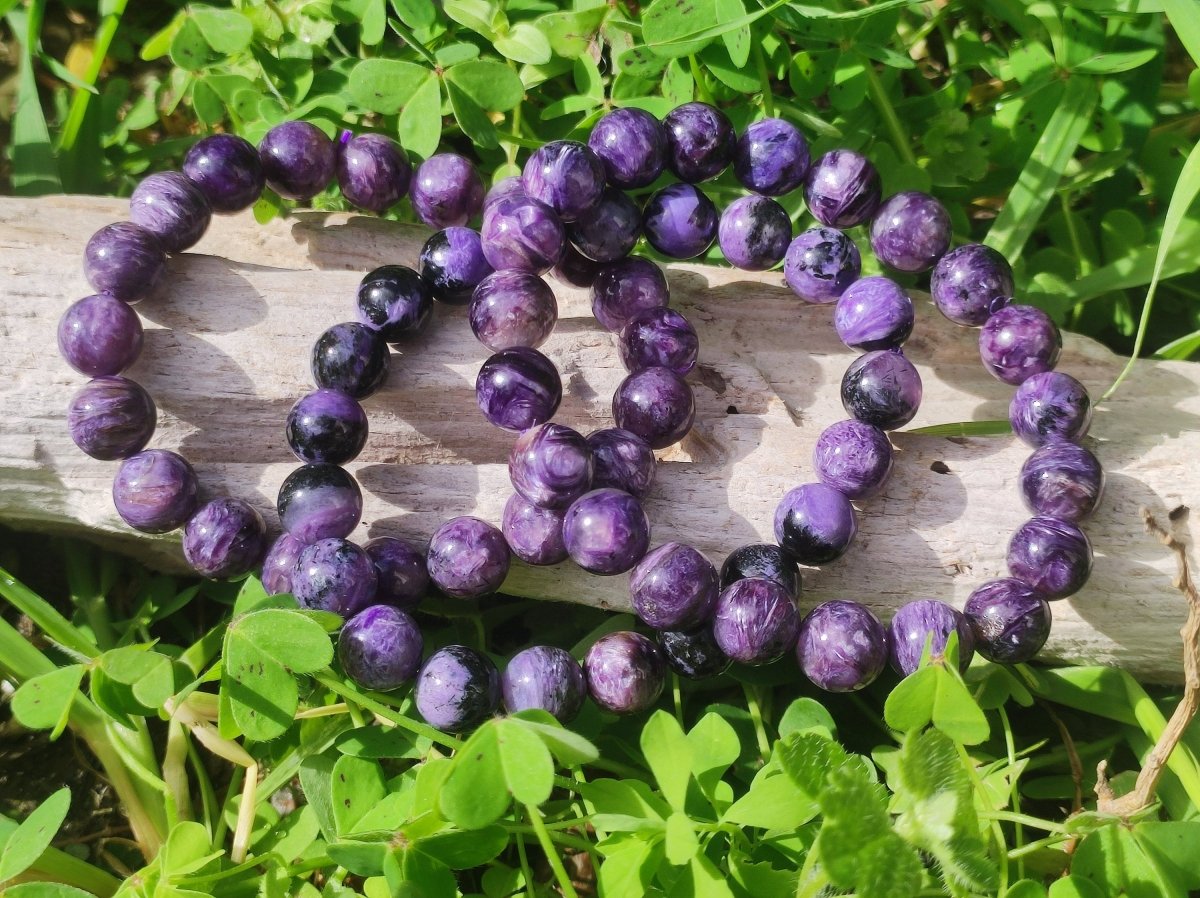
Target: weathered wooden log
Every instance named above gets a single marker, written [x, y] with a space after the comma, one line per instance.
[227, 353]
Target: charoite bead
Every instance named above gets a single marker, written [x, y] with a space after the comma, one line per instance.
[700, 141]
[1052, 556]
[815, 523]
[625, 672]
[551, 465]
[228, 171]
[111, 418]
[626, 287]
[1048, 407]
[1018, 342]
[842, 646]
[351, 358]
[380, 648]
[518, 388]
[680, 221]
[853, 458]
[298, 159]
[910, 231]
[505, 187]
[659, 337]
[1062, 480]
[373, 172]
[513, 308]
[124, 260]
[754, 233]
[523, 234]
[565, 175]
[453, 264]
[280, 564]
[446, 191]
[610, 229]
[155, 491]
[970, 283]
[882, 388]
[319, 501]
[606, 531]
[874, 313]
[172, 208]
[403, 578]
[842, 189]
[622, 460]
[546, 678]
[468, 558]
[656, 404]
[457, 689]
[1009, 619]
[394, 301]
[771, 157]
[632, 145]
[762, 561]
[755, 621]
[673, 587]
[534, 534]
[927, 621]
[820, 264]
[693, 653]
[326, 426]
[100, 336]
[225, 538]
[334, 575]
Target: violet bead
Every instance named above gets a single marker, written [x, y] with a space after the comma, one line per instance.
[575, 269]
[622, 460]
[280, 563]
[545, 678]
[820, 264]
[565, 175]
[656, 404]
[882, 388]
[673, 588]
[334, 575]
[700, 141]
[1052, 556]
[910, 231]
[518, 388]
[606, 531]
[446, 191]
[172, 208]
[1062, 480]
[457, 689]
[659, 337]
[1009, 620]
[350, 357]
[550, 465]
[1018, 342]
[927, 621]
[227, 170]
[1048, 407]
[754, 233]
[326, 426]
[842, 646]
[623, 288]
[771, 157]
[842, 189]
[319, 501]
[763, 561]
[380, 648]
[814, 523]
[680, 221]
[524, 234]
[100, 335]
[373, 172]
[468, 558]
[853, 458]
[632, 145]
[755, 621]
[610, 229]
[111, 418]
[298, 159]
[625, 672]
[395, 301]
[505, 187]
[970, 283]
[874, 313]
[693, 654]
[124, 260]
[453, 263]
[513, 308]
[533, 533]
[401, 571]
[225, 538]
[155, 491]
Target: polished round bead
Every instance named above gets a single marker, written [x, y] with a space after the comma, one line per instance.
[403, 578]
[395, 301]
[814, 523]
[656, 404]
[923, 622]
[882, 388]
[551, 465]
[910, 231]
[622, 460]
[610, 229]
[505, 187]
[518, 388]
[228, 171]
[755, 621]
[111, 418]
[513, 308]
[334, 575]
[446, 191]
[754, 233]
[453, 263]
[326, 426]
[842, 646]
[524, 234]
[623, 288]
[853, 458]
[545, 678]
[874, 313]
[771, 157]
[700, 141]
[1052, 556]
[575, 269]
[763, 561]
[225, 538]
[350, 357]
[632, 145]
[468, 558]
[457, 689]
[380, 648]
[1062, 480]
[565, 175]
[1048, 407]
[298, 159]
[673, 588]
[659, 338]
[534, 534]
[172, 208]
[1018, 342]
[155, 491]
[820, 264]
[680, 221]
[373, 172]
[970, 283]
[606, 531]
[625, 672]
[100, 335]
[1009, 619]
[319, 501]
[842, 189]
[693, 653]
[124, 260]
[280, 563]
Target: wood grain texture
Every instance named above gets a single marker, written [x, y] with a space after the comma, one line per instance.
[227, 354]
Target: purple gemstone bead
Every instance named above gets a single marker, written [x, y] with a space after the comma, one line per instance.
[447, 191]
[622, 460]
[524, 234]
[842, 189]
[566, 176]
[882, 388]
[842, 646]
[874, 313]
[453, 263]
[279, 564]
[610, 229]
[623, 288]
[659, 337]
[468, 558]
[518, 388]
[505, 187]
[326, 426]
[551, 465]
[124, 260]
[632, 145]
[970, 283]
[700, 141]
[395, 301]
[373, 172]
[910, 231]
[755, 621]
[1048, 407]
[575, 269]
[693, 654]
[674, 588]
[155, 491]
[1052, 556]
[350, 357]
[1009, 620]
[513, 308]
[227, 170]
[546, 678]
[815, 523]
[380, 648]
[457, 689]
[853, 458]
[656, 404]
[172, 208]
[298, 160]
[225, 538]
[111, 418]
[334, 575]
[606, 531]
[771, 157]
[754, 233]
[927, 620]
[100, 336]
[680, 221]
[1062, 480]
[1018, 342]
[820, 264]
[401, 572]
[319, 501]
[762, 561]
[625, 672]
[534, 534]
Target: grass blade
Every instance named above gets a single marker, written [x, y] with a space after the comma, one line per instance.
[964, 429]
[1180, 348]
[34, 169]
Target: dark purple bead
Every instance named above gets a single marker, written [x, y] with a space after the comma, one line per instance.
[1009, 620]
[874, 313]
[1048, 407]
[326, 426]
[754, 233]
[546, 678]
[755, 621]
[566, 176]
[970, 283]
[693, 654]
[446, 191]
[111, 418]
[380, 648]
[1062, 480]
[513, 308]
[155, 491]
[453, 264]
[625, 672]
[280, 564]
[659, 337]
[124, 260]
[172, 208]
[815, 523]
[533, 533]
[910, 231]
[550, 465]
[656, 404]
[771, 157]
[853, 458]
[680, 221]
[606, 531]
[575, 269]
[457, 689]
[373, 172]
[401, 572]
[610, 229]
[820, 264]
[632, 145]
[225, 538]
[505, 187]
[524, 234]
[842, 646]
[674, 588]
[842, 189]
[518, 388]
[319, 501]
[623, 288]
[298, 159]
[350, 357]
[395, 301]
[927, 621]
[700, 141]
[622, 460]
[227, 170]
[100, 336]
[468, 558]
[763, 561]
[334, 575]
[1052, 556]
[1018, 342]
[882, 388]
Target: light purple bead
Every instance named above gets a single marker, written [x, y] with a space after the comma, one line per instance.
[680, 221]
[319, 501]
[874, 313]
[298, 159]
[927, 620]
[100, 335]
[820, 264]
[1009, 620]
[551, 465]
[1052, 556]
[632, 145]
[518, 388]
[771, 157]
[970, 283]
[533, 533]
[505, 187]
[380, 648]
[754, 233]
[625, 672]
[755, 621]
[111, 418]
[910, 231]
[446, 191]
[457, 689]
[659, 337]
[814, 523]
[546, 678]
[225, 538]
[468, 558]
[334, 575]
[882, 388]
[350, 357]
[842, 646]
[155, 491]
[700, 141]
[610, 229]
[674, 588]
[606, 531]
[1050, 406]
[403, 578]
[453, 264]
[623, 288]
[279, 564]
[1062, 480]
[513, 308]
[575, 269]
[1018, 342]
[842, 189]
[124, 260]
[656, 404]
[565, 175]
[524, 234]
[172, 208]
[853, 458]
[373, 172]
[227, 170]
[623, 460]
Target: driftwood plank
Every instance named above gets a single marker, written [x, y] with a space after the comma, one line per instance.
[227, 354]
